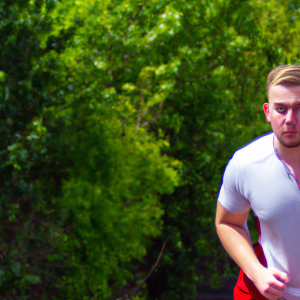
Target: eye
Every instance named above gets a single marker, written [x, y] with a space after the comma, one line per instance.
[280, 109]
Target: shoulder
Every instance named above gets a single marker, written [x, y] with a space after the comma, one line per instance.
[256, 151]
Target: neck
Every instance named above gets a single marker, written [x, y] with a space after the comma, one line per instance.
[288, 155]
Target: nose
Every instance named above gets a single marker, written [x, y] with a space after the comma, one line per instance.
[289, 118]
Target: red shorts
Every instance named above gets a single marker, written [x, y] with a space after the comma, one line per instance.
[245, 288]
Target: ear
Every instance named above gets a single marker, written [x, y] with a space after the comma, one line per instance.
[267, 113]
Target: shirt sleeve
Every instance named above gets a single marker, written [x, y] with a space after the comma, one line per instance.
[231, 196]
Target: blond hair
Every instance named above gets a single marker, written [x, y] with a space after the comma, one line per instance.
[286, 75]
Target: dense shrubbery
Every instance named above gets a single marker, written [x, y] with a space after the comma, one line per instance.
[117, 120]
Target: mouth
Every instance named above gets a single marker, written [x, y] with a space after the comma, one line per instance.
[290, 132]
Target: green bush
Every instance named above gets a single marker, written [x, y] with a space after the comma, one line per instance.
[117, 120]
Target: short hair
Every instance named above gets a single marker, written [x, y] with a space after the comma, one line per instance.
[286, 75]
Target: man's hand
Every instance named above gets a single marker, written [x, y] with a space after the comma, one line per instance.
[237, 242]
[269, 282]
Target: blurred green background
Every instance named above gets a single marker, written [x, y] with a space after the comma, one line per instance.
[117, 121]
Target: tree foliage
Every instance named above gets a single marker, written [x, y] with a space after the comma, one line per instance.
[117, 120]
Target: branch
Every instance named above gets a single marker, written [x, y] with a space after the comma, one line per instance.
[73, 250]
[62, 234]
[140, 115]
[156, 115]
[135, 290]
[1, 256]
[137, 14]
[76, 265]
[2, 251]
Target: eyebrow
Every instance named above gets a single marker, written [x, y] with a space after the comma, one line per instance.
[283, 103]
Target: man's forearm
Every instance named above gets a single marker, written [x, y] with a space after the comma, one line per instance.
[237, 243]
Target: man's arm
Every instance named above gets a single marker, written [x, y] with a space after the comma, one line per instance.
[237, 243]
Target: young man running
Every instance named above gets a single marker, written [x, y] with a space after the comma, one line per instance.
[265, 176]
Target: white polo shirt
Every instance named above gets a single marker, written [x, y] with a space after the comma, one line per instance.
[256, 177]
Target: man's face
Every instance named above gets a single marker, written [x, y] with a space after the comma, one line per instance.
[283, 112]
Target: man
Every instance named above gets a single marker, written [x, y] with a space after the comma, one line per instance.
[264, 176]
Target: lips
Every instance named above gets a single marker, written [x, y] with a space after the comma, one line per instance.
[290, 133]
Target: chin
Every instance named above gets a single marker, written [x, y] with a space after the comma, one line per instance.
[289, 143]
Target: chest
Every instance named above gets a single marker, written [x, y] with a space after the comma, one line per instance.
[273, 193]
[295, 171]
